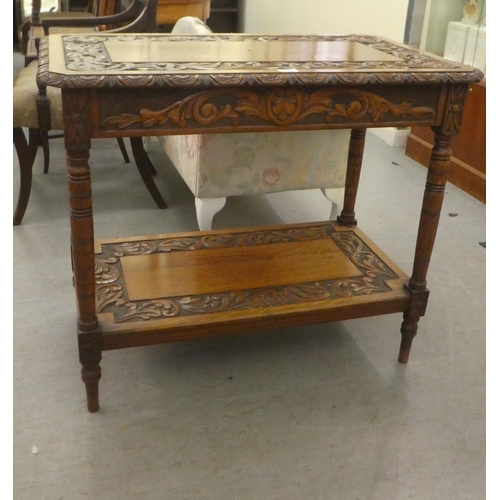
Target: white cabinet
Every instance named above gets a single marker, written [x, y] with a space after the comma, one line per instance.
[456, 41]
[475, 50]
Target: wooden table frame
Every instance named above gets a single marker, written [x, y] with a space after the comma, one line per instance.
[402, 87]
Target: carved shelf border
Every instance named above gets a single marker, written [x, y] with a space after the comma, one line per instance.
[111, 292]
[89, 54]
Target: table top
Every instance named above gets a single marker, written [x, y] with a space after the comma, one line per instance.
[158, 60]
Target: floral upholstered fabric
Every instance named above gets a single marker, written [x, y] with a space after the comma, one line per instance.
[220, 165]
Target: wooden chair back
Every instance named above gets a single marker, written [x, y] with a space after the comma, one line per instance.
[97, 7]
[139, 17]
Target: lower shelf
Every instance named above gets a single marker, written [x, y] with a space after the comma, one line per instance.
[166, 288]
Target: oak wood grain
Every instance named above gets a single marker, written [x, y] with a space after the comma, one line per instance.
[199, 271]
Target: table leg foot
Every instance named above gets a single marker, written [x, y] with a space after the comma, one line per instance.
[91, 375]
[90, 358]
[408, 331]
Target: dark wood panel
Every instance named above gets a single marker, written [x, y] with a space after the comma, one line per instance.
[182, 110]
[225, 16]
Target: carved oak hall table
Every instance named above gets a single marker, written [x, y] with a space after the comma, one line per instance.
[136, 291]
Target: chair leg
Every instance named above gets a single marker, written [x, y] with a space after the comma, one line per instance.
[146, 144]
[44, 139]
[143, 165]
[336, 196]
[123, 149]
[26, 153]
[151, 167]
[206, 208]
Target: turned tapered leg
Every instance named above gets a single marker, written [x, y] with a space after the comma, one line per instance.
[429, 219]
[77, 142]
[354, 162]
[429, 216]
[408, 331]
[90, 357]
[26, 153]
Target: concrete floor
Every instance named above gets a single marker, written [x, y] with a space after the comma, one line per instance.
[321, 413]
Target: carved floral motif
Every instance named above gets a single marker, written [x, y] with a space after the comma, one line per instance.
[362, 258]
[77, 132]
[454, 110]
[279, 106]
[112, 295]
[105, 272]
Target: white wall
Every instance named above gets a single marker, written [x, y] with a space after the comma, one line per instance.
[368, 17]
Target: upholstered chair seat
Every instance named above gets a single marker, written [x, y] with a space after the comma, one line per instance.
[39, 113]
[25, 95]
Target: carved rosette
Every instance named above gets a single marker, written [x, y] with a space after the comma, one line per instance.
[455, 109]
[77, 135]
[278, 106]
[112, 293]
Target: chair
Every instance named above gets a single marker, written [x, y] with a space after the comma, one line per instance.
[39, 109]
[32, 28]
[215, 166]
[138, 15]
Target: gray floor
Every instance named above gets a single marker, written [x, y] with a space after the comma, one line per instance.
[322, 413]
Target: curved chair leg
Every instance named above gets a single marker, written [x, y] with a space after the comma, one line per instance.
[151, 167]
[206, 208]
[336, 196]
[144, 167]
[26, 153]
[123, 149]
[146, 144]
[44, 139]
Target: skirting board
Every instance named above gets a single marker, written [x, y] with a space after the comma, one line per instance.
[393, 136]
[464, 176]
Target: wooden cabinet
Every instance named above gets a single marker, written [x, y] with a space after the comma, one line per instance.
[468, 163]
[226, 16]
[170, 11]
